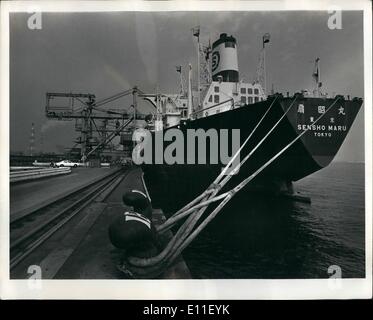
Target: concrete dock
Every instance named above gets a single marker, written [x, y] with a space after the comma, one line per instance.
[96, 257]
[83, 249]
[34, 194]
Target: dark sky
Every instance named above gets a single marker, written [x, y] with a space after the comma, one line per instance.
[105, 53]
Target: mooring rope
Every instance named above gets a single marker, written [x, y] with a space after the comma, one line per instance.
[194, 219]
[164, 227]
[185, 235]
[228, 177]
[223, 179]
[236, 189]
[205, 198]
[224, 171]
[188, 225]
[216, 184]
[248, 179]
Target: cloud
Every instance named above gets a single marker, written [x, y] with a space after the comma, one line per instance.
[116, 76]
[146, 38]
[105, 53]
[52, 124]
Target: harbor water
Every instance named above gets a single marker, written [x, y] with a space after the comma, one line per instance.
[263, 237]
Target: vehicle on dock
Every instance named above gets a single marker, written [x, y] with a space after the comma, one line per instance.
[67, 163]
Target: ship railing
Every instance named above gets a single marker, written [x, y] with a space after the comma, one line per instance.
[193, 114]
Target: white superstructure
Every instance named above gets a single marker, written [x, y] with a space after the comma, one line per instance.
[225, 92]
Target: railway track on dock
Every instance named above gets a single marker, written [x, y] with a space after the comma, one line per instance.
[30, 231]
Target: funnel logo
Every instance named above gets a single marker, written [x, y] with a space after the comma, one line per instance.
[215, 60]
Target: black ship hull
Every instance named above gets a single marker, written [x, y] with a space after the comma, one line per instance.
[312, 152]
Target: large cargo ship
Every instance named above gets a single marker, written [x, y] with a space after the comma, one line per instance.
[222, 101]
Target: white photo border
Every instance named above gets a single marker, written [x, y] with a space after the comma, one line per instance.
[180, 289]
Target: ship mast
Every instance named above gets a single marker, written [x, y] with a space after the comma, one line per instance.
[182, 86]
[261, 74]
[205, 73]
[159, 121]
[190, 104]
[196, 32]
[317, 77]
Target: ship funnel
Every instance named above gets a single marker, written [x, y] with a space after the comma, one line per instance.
[224, 59]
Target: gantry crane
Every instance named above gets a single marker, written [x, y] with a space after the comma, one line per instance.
[88, 112]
